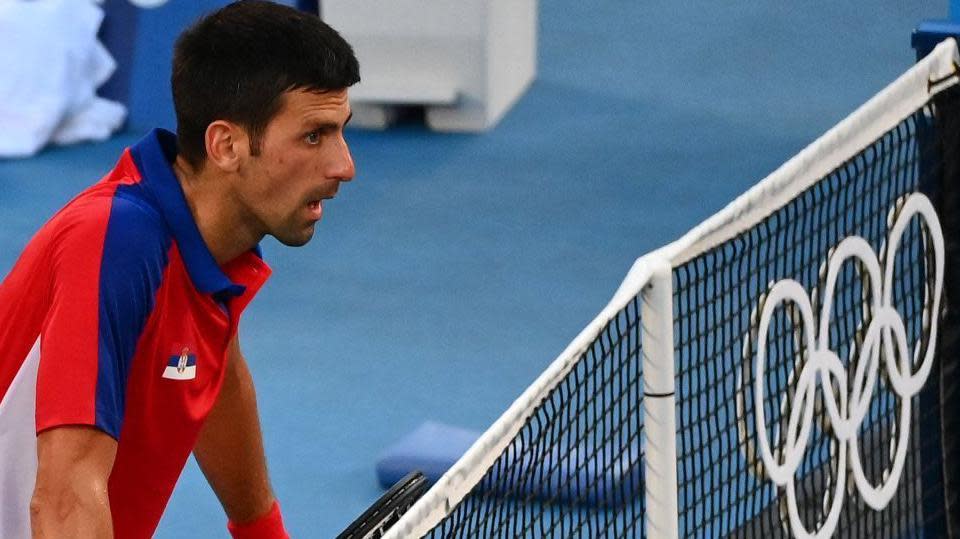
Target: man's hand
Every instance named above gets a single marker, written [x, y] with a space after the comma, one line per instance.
[70, 498]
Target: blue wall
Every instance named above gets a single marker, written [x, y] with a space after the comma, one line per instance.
[142, 42]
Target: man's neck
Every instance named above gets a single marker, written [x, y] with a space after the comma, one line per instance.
[218, 217]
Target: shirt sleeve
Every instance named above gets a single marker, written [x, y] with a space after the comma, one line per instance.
[107, 258]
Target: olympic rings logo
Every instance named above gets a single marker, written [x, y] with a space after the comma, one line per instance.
[886, 332]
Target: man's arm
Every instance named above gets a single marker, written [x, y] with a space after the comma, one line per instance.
[230, 447]
[70, 497]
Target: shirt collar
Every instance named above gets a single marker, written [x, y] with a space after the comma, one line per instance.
[152, 156]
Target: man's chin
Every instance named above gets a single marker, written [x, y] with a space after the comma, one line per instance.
[295, 240]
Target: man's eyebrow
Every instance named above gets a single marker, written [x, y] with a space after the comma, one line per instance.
[326, 125]
[321, 125]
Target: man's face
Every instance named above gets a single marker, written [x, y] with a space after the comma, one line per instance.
[303, 158]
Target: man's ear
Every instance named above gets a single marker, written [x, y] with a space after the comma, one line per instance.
[226, 144]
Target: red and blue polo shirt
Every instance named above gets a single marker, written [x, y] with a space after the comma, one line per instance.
[117, 316]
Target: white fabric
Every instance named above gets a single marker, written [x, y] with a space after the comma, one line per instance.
[18, 448]
[52, 65]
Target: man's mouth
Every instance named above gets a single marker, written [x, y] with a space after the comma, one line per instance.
[315, 206]
[315, 209]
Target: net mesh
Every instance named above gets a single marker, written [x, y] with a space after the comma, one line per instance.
[575, 468]
[724, 489]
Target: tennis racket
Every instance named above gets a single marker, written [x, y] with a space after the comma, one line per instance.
[387, 510]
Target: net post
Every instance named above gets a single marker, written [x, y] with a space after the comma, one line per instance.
[659, 404]
[946, 390]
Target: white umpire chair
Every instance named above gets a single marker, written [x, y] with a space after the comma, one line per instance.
[465, 61]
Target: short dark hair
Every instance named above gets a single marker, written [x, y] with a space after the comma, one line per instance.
[236, 63]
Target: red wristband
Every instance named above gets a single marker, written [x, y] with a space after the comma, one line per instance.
[269, 526]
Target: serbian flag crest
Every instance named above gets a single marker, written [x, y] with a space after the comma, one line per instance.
[182, 366]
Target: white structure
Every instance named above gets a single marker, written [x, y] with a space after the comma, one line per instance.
[466, 61]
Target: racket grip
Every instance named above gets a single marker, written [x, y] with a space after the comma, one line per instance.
[269, 526]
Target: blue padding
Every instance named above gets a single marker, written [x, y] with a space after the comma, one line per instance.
[431, 448]
[929, 33]
[118, 32]
[581, 475]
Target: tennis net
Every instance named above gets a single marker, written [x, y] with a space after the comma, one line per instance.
[784, 369]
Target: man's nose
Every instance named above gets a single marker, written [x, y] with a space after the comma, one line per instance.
[341, 167]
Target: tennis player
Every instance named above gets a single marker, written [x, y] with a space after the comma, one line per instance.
[118, 324]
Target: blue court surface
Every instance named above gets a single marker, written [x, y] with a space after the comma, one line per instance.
[454, 268]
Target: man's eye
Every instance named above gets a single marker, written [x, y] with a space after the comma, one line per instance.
[313, 137]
